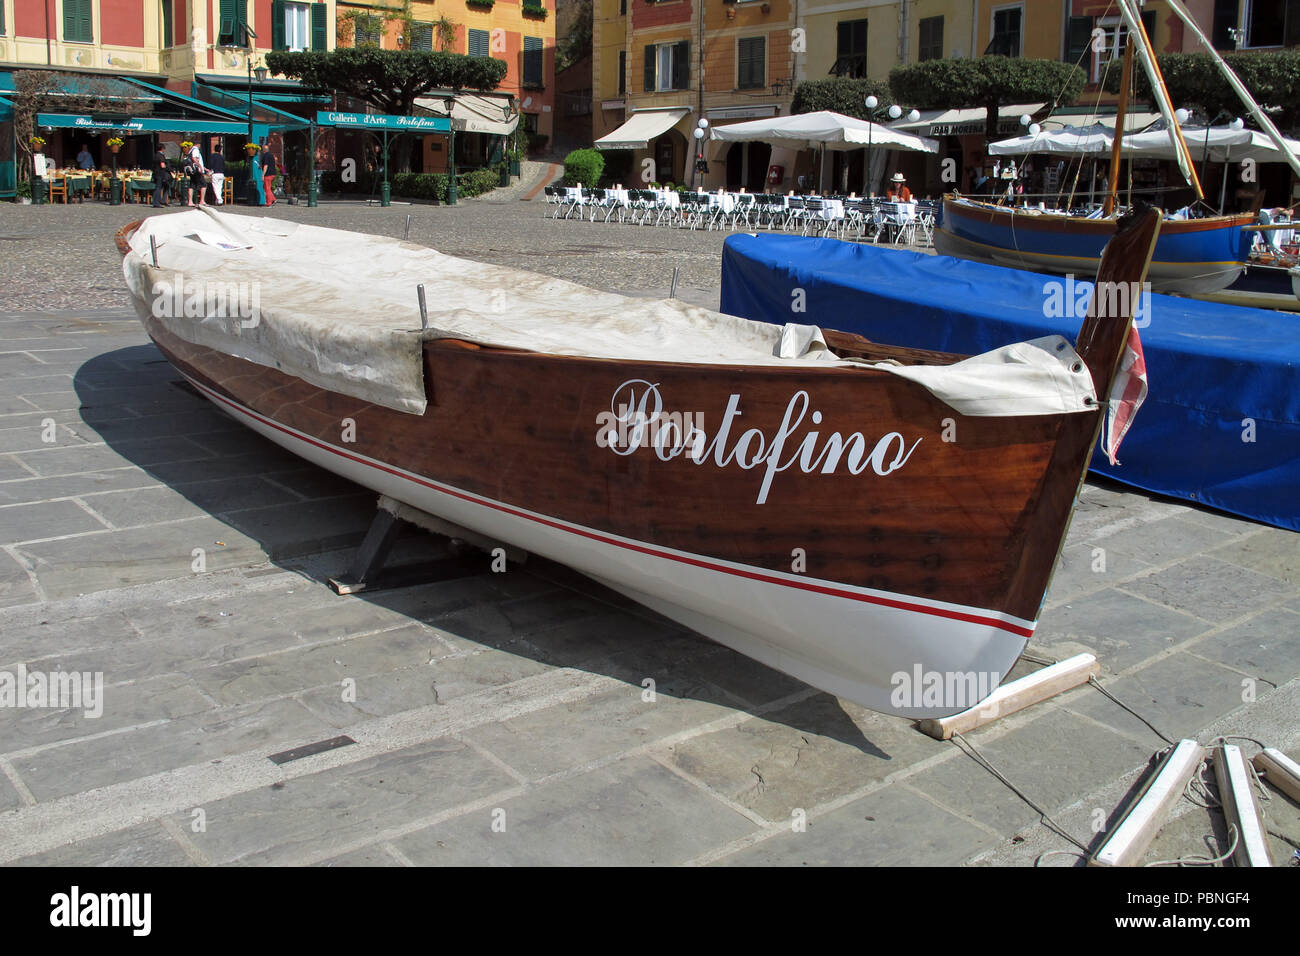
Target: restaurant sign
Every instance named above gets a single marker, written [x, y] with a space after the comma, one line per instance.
[131, 125]
[972, 129]
[427, 124]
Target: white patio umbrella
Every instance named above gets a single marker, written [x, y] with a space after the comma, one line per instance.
[826, 129]
[823, 129]
[1222, 143]
[1071, 141]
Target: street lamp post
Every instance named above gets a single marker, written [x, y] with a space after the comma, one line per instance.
[874, 112]
[261, 75]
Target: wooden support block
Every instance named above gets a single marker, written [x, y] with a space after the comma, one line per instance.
[1282, 772]
[1016, 695]
[1236, 793]
[1142, 820]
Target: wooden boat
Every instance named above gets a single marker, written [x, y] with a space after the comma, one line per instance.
[1192, 255]
[834, 519]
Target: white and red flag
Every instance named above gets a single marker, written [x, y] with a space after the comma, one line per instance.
[1127, 393]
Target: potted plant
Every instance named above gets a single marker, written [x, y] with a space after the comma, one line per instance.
[114, 143]
[37, 143]
[24, 193]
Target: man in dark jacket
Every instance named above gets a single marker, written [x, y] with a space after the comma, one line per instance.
[162, 179]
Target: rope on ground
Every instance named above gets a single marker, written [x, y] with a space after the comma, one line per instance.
[983, 762]
[1097, 684]
[1201, 860]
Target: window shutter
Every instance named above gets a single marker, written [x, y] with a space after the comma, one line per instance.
[277, 25]
[1078, 37]
[478, 42]
[622, 72]
[86, 21]
[682, 65]
[319, 38]
[69, 19]
[166, 24]
[650, 68]
[226, 22]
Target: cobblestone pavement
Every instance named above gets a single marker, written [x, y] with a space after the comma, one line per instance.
[63, 257]
[502, 718]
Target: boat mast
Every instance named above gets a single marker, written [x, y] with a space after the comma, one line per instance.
[1238, 87]
[1120, 114]
[1137, 30]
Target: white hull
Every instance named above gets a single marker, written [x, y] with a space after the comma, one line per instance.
[862, 641]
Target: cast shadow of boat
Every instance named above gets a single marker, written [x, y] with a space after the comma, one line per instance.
[307, 520]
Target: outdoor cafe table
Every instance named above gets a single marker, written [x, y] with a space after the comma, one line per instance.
[897, 215]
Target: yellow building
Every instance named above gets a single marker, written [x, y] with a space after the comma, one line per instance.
[654, 79]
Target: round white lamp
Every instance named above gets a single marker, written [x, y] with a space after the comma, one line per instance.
[1237, 123]
[913, 116]
[872, 102]
[1182, 115]
[1024, 119]
[1034, 129]
[699, 133]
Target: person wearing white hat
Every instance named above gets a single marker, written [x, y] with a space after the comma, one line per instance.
[898, 191]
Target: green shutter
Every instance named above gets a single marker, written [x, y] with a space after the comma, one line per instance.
[166, 22]
[682, 65]
[277, 25]
[622, 72]
[226, 22]
[319, 38]
[1078, 39]
[78, 21]
[241, 23]
[650, 68]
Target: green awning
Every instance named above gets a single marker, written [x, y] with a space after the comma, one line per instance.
[136, 125]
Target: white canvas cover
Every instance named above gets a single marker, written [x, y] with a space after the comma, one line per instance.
[835, 131]
[340, 310]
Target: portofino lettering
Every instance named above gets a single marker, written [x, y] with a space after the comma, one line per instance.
[636, 419]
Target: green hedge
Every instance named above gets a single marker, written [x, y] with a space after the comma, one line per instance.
[583, 166]
[433, 186]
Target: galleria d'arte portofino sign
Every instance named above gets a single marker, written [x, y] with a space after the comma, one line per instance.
[429, 124]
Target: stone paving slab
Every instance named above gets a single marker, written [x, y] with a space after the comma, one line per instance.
[630, 813]
[524, 691]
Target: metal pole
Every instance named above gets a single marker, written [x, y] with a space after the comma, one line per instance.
[451, 159]
[312, 192]
[252, 186]
[385, 191]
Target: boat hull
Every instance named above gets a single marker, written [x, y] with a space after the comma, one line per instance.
[1191, 256]
[845, 581]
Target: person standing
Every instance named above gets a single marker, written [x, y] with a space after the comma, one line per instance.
[162, 178]
[84, 159]
[217, 167]
[255, 173]
[269, 171]
[198, 176]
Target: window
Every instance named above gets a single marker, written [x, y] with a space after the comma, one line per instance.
[851, 49]
[668, 66]
[232, 23]
[622, 72]
[622, 8]
[1225, 21]
[930, 46]
[534, 6]
[533, 54]
[296, 29]
[530, 123]
[1272, 23]
[167, 29]
[1005, 34]
[751, 63]
[369, 30]
[77, 21]
[1114, 38]
[422, 37]
[478, 42]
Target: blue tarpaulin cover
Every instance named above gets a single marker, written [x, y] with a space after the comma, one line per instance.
[1221, 422]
